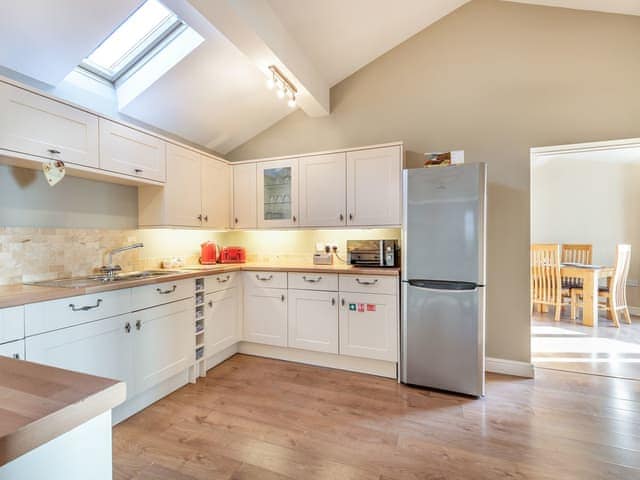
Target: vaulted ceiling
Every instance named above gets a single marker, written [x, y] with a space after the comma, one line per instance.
[216, 96]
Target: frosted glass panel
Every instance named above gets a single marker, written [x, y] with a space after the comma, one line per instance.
[277, 193]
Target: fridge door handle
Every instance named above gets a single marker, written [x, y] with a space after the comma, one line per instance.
[462, 287]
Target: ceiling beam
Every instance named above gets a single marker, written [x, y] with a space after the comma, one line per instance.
[253, 27]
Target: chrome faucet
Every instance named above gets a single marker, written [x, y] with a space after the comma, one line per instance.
[110, 269]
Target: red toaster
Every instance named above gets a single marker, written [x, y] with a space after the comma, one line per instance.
[233, 255]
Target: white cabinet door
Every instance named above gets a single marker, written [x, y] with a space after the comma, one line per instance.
[35, 125]
[182, 195]
[278, 193]
[11, 324]
[313, 320]
[369, 326]
[215, 193]
[323, 190]
[102, 348]
[164, 342]
[13, 350]
[374, 187]
[128, 151]
[244, 196]
[265, 316]
[222, 320]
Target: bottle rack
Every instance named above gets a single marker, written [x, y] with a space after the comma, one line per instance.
[199, 329]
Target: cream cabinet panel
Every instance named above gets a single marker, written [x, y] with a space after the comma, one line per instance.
[128, 151]
[11, 324]
[278, 193]
[35, 125]
[222, 320]
[164, 342]
[322, 190]
[13, 350]
[215, 193]
[182, 194]
[244, 196]
[369, 326]
[313, 320]
[374, 187]
[102, 348]
[265, 316]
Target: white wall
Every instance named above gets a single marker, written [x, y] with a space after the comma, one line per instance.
[596, 200]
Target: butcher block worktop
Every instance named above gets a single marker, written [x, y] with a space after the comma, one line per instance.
[20, 294]
[40, 403]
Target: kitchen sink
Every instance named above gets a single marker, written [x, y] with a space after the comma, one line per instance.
[94, 280]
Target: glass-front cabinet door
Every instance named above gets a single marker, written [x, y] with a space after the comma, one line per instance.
[278, 193]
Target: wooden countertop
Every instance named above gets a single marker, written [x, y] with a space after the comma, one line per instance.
[19, 294]
[39, 403]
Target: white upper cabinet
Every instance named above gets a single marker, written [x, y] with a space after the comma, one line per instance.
[244, 211]
[374, 192]
[34, 125]
[128, 151]
[323, 190]
[215, 193]
[278, 193]
[182, 191]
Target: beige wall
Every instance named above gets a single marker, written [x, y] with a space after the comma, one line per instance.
[587, 200]
[495, 79]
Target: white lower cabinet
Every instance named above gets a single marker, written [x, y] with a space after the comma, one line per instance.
[102, 348]
[313, 320]
[265, 316]
[13, 350]
[369, 326]
[222, 320]
[164, 342]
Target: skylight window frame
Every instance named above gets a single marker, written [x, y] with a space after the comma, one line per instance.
[150, 43]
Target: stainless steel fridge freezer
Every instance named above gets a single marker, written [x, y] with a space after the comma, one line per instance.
[443, 278]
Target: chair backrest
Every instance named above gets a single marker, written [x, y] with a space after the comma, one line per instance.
[577, 253]
[619, 281]
[546, 285]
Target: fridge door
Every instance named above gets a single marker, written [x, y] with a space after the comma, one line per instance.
[442, 342]
[443, 226]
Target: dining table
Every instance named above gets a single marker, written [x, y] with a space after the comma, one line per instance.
[590, 276]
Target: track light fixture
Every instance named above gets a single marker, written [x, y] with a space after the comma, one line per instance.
[284, 88]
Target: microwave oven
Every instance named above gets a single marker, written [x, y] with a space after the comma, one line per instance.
[373, 253]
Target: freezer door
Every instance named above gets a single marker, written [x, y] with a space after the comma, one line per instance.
[443, 226]
[442, 342]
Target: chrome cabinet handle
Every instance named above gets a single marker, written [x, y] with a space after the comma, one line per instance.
[282, 297]
[165, 292]
[362, 282]
[333, 302]
[127, 327]
[206, 218]
[311, 280]
[138, 170]
[341, 217]
[138, 324]
[235, 220]
[294, 219]
[210, 303]
[199, 217]
[342, 302]
[350, 216]
[264, 279]
[86, 307]
[16, 356]
[223, 280]
[53, 151]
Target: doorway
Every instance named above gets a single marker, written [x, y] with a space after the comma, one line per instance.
[585, 205]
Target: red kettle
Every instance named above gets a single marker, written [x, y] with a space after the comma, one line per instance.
[208, 253]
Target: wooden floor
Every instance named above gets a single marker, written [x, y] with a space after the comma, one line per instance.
[262, 419]
[569, 345]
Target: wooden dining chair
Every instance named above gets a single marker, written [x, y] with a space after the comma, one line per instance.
[614, 295]
[546, 283]
[575, 253]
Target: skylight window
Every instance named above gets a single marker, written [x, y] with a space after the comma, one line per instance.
[146, 30]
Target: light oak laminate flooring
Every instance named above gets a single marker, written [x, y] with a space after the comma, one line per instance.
[255, 418]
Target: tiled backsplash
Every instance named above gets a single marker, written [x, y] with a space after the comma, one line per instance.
[33, 254]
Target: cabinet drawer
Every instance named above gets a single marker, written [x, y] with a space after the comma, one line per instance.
[221, 281]
[314, 281]
[11, 324]
[36, 125]
[369, 284]
[13, 350]
[128, 151]
[265, 279]
[160, 293]
[66, 312]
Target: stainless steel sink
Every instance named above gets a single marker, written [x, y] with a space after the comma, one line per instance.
[93, 280]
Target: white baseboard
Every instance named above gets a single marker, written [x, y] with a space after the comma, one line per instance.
[635, 311]
[220, 357]
[509, 367]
